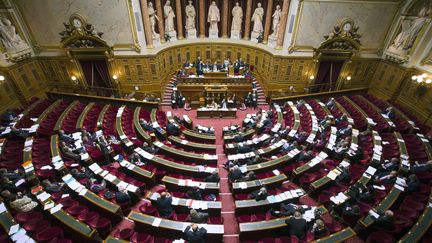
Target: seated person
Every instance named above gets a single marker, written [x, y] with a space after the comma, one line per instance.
[413, 183]
[8, 117]
[164, 205]
[331, 103]
[387, 166]
[301, 136]
[172, 129]
[81, 173]
[250, 176]
[344, 177]
[134, 158]
[351, 212]
[260, 194]
[345, 131]
[386, 221]
[214, 177]
[145, 125]
[255, 160]
[305, 155]
[149, 148]
[195, 193]
[52, 187]
[288, 209]
[96, 186]
[342, 118]
[13, 175]
[197, 217]
[64, 137]
[122, 196]
[297, 225]
[7, 184]
[367, 195]
[19, 202]
[287, 147]
[319, 229]
[193, 234]
[69, 151]
[239, 138]
[390, 178]
[417, 167]
[390, 113]
[243, 148]
[234, 174]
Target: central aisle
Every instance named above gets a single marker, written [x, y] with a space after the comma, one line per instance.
[231, 227]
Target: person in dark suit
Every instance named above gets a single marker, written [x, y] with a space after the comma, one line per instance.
[344, 177]
[197, 217]
[390, 112]
[234, 174]
[52, 187]
[241, 62]
[145, 125]
[64, 137]
[164, 205]
[388, 166]
[352, 212]
[239, 137]
[305, 155]
[81, 173]
[195, 193]
[297, 225]
[345, 131]
[319, 229]
[172, 129]
[425, 167]
[214, 177]
[250, 176]
[134, 158]
[413, 183]
[193, 234]
[367, 195]
[243, 148]
[260, 194]
[122, 196]
[248, 99]
[174, 98]
[390, 178]
[386, 222]
[200, 68]
[255, 99]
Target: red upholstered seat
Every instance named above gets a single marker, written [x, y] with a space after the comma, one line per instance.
[36, 225]
[141, 238]
[88, 216]
[48, 234]
[77, 210]
[124, 234]
[24, 217]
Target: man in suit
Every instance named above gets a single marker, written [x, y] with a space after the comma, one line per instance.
[297, 225]
[172, 129]
[145, 125]
[345, 131]
[234, 174]
[255, 99]
[195, 193]
[386, 221]
[193, 234]
[241, 62]
[214, 177]
[200, 68]
[236, 67]
[164, 205]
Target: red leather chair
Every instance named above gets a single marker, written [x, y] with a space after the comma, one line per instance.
[48, 234]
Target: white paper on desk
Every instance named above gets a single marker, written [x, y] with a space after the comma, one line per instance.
[13, 229]
[132, 188]
[30, 240]
[400, 188]
[195, 204]
[204, 205]
[110, 177]
[373, 214]
[43, 196]
[85, 156]
[202, 185]
[175, 201]
[242, 185]
[83, 192]
[332, 175]
[22, 239]
[401, 182]
[278, 198]
[19, 182]
[65, 195]
[58, 165]
[55, 159]
[104, 173]
[283, 196]
[156, 222]
[19, 234]
[371, 170]
[48, 205]
[184, 142]
[243, 169]
[94, 166]
[122, 184]
[28, 143]
[56, 208]
[2, 208]
[299, 192]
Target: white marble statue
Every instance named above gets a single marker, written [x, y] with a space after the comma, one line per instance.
[410, 29]
[190, 16]
[237, 18]
[153, 17]
[276, 21]
[169, 17]
[257, 18]
[10, 38]
[213, 17]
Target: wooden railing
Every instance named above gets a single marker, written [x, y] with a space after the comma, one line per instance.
[281, 100]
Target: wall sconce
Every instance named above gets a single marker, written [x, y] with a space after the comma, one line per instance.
[115, 77]
[311, 77]
[422, 79]
[73, 78]
[2, 78]
[348, 78]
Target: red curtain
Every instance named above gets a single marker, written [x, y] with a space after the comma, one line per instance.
[328, 74]
[96, 73]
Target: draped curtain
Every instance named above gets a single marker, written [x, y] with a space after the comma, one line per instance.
[328, 74]
[96, 73]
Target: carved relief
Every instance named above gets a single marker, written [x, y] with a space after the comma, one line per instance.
[80, 34]
[14, 47]
[344, 36]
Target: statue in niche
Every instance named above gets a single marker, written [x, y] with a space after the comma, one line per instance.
[213, 17]
[169, 17]
[9, 37]
[237, 13]
[276, 21]
[153, 17]
[410, 29]
[257, 18]
[190, 16]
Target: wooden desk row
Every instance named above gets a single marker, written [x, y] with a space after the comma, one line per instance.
[187, 156]
[141, 132]
[176, 167]
[272, 149]
[102, 116]
[189, 145]
[230, 138]
[83, 115]
[231, 148]
[199, 137]
[185, 185]
[65, 113]
[153, 118]
[265, 166]
[256, 184]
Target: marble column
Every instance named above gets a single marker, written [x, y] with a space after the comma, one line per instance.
[179, 19]
[248, 20]
[225, 19]
[147, 25]
[283, 23]
[268, 21]
[161, 23]
[202, 20]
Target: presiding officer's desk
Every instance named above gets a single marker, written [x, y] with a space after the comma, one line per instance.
[216, 113]
[144, 222]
